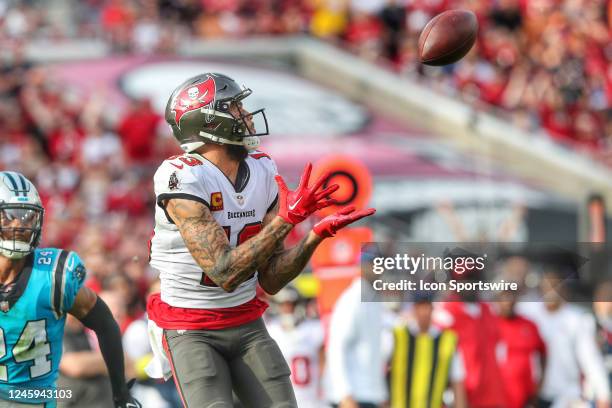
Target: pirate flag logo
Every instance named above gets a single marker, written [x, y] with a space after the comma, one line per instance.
[173, 182]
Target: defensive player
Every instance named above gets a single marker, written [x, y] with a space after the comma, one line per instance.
[220, 224]
[38, 287]
[301, 341]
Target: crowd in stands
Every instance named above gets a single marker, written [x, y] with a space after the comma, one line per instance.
[544, 64]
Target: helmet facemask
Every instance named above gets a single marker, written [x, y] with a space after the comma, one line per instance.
[246, 123]
[20, 229]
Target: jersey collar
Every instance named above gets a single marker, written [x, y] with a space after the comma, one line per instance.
[8, 299]
[242, 176]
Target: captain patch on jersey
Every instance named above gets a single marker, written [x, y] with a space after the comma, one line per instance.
[239, 208]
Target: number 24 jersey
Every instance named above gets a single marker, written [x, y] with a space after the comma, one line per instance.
[32, 320]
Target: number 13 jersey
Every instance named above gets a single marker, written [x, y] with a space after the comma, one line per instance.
[239, 210]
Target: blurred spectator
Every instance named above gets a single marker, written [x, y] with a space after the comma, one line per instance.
[329, 19]
[523, 354]
[425, 362]
[136, 346]
[542, 64]
[151, 393]
[301, 342]
[138, 131]
[82, 369]
[479, 342]
[572, 353]
[13, 72]
[603, 313]
[393, 19]
[117, 305]
[354, 358]
[117, 19]
[100, 146]
[123, 288]
[479, 339]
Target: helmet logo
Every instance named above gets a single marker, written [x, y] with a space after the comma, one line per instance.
[193, 92]
[16, 183]
[195, 97]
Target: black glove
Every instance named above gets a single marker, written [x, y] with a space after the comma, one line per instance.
[127, 401]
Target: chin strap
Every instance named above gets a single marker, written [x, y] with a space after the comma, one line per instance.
[251, 142]
[19, 249]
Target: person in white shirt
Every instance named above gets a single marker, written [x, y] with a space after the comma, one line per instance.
[569, 334]
[300, 339]
[354, 371]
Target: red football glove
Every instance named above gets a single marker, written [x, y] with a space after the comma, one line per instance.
[295, 206]
[329, 225]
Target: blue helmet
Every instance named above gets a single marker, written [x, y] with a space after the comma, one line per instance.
[21, 215]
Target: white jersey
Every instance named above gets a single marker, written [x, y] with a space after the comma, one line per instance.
[239, 213]
[301, 346]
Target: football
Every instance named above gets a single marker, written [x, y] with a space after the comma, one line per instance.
[447, 37]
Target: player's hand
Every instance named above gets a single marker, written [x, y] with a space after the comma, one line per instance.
[329, 225]
[295, 206]
[127, 401]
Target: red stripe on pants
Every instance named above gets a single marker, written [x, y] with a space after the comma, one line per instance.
[176, 381]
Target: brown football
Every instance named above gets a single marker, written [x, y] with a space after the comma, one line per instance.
[448, 37]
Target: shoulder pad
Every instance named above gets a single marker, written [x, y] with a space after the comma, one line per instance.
[183, 161]
[259, 154]
[58, 277]
[67, 266]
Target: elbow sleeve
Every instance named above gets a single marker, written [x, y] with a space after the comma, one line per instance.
[100, 320]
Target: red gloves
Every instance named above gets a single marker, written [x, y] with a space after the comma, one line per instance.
[329, 225]
[295, 206]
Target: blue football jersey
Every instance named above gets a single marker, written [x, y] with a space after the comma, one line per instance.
[32, 319]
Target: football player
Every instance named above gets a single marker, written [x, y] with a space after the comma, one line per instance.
[38, 288]
[301, 342]
[221, 218]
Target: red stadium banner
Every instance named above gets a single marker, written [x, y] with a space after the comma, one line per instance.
[351, 175]
[336, 262]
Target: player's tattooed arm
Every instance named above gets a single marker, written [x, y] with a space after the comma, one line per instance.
[286, 264]
[226, 266]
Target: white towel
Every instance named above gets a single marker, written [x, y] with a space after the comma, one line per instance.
[159, 366]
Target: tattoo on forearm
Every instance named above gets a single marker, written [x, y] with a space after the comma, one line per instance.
[241, 262]
[226, 266]
[286, 265]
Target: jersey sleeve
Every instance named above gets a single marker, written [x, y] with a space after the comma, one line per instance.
[177, 180]
[68, 277]
[272, 186]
